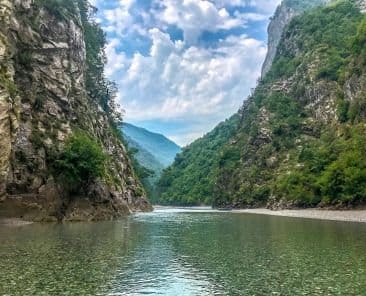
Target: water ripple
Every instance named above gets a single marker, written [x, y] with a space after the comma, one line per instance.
[185, 252]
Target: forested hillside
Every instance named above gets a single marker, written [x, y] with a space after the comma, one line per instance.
[190, 180]
[301, 138]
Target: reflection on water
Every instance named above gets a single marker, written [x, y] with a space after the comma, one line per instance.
[185, 252]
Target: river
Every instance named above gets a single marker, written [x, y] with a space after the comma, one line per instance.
[185, 252]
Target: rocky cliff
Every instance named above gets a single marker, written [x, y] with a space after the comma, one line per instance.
[43, 100]
[285, 12]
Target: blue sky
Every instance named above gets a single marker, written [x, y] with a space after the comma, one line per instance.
[182, 66]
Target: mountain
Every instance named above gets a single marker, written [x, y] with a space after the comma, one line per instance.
[160, 147]
[152, 151]
[299, 140]
[61, 156]
[146, 159]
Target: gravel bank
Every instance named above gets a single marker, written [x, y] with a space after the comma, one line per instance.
[335, 215]
[13, 222]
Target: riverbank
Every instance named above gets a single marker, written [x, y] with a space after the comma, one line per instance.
[14, 222]
[320, 214]
[354, 215]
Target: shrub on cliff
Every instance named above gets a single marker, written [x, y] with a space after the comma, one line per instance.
[81, 162]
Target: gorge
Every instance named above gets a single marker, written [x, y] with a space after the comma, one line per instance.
[269, 202]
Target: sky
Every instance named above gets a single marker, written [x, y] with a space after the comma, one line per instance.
[183, 66]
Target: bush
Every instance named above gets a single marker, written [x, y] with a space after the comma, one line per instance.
[81, 162]
[25, 58]
[39, 103]
[342, 110]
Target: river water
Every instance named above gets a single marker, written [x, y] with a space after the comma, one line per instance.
[185, 252]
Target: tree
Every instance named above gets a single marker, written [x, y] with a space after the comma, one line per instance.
[81, 162]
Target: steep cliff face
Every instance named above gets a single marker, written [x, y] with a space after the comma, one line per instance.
[43, 101]
[284, 14]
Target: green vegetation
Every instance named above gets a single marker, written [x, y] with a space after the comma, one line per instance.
[332, 170]
[59, 8]
[301, 139]
[324, 33]
[81, 162]
[190, 180]
[25, 58]
[39, 102]
[7, 83]
[275, 167]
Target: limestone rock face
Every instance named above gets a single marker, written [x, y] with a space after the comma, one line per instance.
[282, 17]
[42, 100]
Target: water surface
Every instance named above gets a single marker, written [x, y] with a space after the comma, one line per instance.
[185, 252]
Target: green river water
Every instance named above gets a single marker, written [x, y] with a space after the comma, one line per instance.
[185, 252]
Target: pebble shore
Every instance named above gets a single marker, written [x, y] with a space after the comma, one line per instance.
[334, 215]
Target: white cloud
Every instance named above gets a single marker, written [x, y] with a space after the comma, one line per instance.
[182, 80]
[186, 137]
[121, 21]
[194, 17]
[185, 83]
[262, 6]
[117, 61]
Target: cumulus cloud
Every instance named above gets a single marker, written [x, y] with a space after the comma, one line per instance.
[262, 6]
[120, 21]
[117, 61]
[194, 17]
[265, 6]
[174, 80]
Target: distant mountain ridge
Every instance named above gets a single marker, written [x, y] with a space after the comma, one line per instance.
[163, 149]
[145, 157]
[154, 152]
